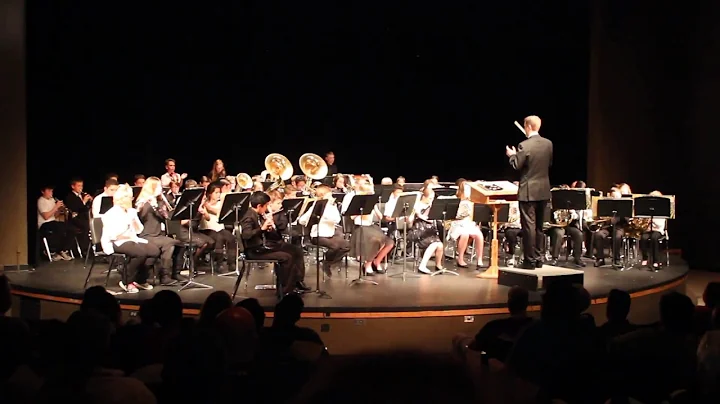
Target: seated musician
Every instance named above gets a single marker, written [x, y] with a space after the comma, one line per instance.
[257, 186]
[121, 226]
[139, 180]
[281, 221]
[225, 185]
[111, 187]
[201, 242]
[153, 212]
[217, 172]
[569, 223]
[425, 231]
[299, 183]
[624, 188]
[170, 174]
[256, 225]
[204, 181]
[650, 239]
[59, 239]
[388, 221]
[340, 184]
[400, 181]
[464, 228]
[368, 240]
[209, 225]
[601, 235]
[173, 195]
[326, 232]
[512, 231]
[77, 204]
[587, 221]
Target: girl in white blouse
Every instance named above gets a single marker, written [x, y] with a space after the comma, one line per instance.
[210, 226]
[464, 228]
[121, 226]
[425, 232]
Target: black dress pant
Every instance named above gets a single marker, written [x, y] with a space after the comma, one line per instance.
[575, 242]
[291, 261]
[79, 227]
[223, 238]
[532, 217]
[512, 234]
[166, 245]
[58, 236]
[337, 247]
[141, 257]
[599, 241]
[650, 246]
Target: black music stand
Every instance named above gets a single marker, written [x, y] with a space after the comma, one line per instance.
[187, 209]
[570, 199]
[485, 213]
[359, 206]
[136, 192]
[291, 205]
[338, 196]
[441, 209]
[404, 208]
[267, 184]
[445, 191]
[654, 207]
[234, 206]
[315, 215]
[106, 202]
[384, 195]
[614, 208]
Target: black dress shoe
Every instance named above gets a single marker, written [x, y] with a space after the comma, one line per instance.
[599, 263]
[539, 264]
[578, 264]
[553, 262]
[302, 286]
[527, 265]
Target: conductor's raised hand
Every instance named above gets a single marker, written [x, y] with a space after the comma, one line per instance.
[510, 151]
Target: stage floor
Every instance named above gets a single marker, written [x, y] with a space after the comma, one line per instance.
[63, 280]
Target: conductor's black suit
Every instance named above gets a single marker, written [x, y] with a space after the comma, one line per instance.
[533, 159]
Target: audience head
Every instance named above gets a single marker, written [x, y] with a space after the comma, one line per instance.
[215, 303]
[676, 312]
[236, 327]
[123, 196]
[518, 300]
[559, 303]
[253, 306]
[98, 299]
[708, 369]
[618, 305]
[584, 300]
[167, 308]
[711, 295]
[288, 311]
[88, 339]
[5, 296]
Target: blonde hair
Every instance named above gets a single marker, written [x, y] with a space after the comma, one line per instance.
[322, 190]
[123, 196]
[533, 121]
[148, 191]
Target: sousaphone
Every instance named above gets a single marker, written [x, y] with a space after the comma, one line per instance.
[243, 181]
[314, 168]
[279, 167]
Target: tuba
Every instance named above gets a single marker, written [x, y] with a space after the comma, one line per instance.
[243, 181]
[314, 168]
[279, 167]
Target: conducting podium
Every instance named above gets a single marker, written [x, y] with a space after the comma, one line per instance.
[496, 195]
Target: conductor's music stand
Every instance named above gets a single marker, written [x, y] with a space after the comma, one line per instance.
[359, 206]
[187, 209]
[614, 208]
[317, 213]
[404, 207]
[498, 208]
[441, 209]
[234, 206]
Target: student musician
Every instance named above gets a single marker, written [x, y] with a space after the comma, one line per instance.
[326, 232]
[388, 221]
[340, 184]
[139, 180]
[600, 237]
[368, 240]
[170, 174]
[280, 219]
[121, 226]
[464, 228]
[512, 231]
[201, 242]
[154, 210]
[77, 204]
[217, 172]
[424, 231]
[256, 224]
[209, 225]
[650, 239]
[299, 183]
[173, 194]
[59, 239]
[571, 219]
[111, 186]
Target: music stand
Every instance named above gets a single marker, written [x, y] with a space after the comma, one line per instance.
[570, 199]
[317, 213]
[361, 205]
[234, 206]
[187, 209]
[613, 208]
[106, 202]
[439, 210]
[445, 191]
[384, 194]
[338, 196]
[136, 192]
[404, 207]
[267, 184]
[291, 205]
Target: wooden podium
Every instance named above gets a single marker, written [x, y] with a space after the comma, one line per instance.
[495, 194]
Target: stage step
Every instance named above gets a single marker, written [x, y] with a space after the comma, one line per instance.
[539, 278]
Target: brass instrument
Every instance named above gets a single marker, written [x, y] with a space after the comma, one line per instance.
[637, 226]
[63, 213]
[279, 167]
[243, 181]
[314, 167]
[357, 178]
[562, 217]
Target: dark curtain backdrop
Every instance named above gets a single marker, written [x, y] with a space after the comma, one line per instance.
[654, 81]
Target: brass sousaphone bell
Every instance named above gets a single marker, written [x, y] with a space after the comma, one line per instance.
[243, 181]
[314, 167]
[279, 167]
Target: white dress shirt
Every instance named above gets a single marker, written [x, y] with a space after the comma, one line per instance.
[44, 205]
[330, 218]
[166, 179]
[119, 227]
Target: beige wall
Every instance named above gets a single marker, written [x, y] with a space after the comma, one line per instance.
[13, 156]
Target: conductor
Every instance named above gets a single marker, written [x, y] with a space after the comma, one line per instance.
[533, 159]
